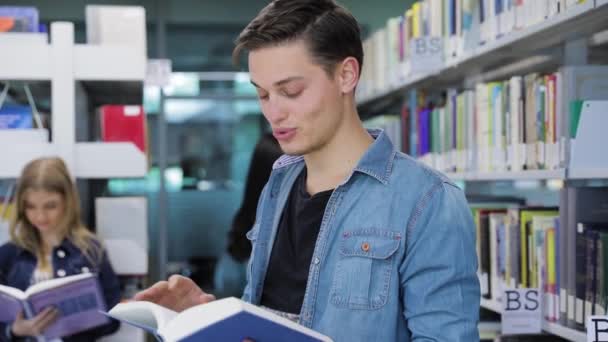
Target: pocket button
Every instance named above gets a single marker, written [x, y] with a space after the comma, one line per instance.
[365, 247]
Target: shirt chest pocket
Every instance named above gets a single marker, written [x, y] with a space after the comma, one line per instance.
[364, 269]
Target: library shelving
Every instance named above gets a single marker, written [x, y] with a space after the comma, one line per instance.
[560, 29]
[549, 327]
[559, 174]
[29, 57]
[527, 104]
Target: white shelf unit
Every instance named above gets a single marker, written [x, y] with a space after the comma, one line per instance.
[30, 57]
[507, 175]
[549, 327]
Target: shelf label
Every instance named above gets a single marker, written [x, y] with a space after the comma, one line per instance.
[426, 54]
[521, 311]
[597, 329]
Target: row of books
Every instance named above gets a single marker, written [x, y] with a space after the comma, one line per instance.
[522, 123]
[457, 26]
[499, 126]
[116, 123]
[563, 252]
[20, 19]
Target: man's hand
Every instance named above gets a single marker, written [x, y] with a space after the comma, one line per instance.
[178, 294]
[36, 326]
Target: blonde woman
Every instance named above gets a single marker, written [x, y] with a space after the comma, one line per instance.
[48, 240]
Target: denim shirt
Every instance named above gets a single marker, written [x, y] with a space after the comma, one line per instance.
[395, 256]
[17, 267]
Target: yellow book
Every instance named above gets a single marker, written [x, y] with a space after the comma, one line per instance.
[409, 18]
[416, 20]
[526, 245]
[551, 265]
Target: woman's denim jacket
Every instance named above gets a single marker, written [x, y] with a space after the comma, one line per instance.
[395, 257]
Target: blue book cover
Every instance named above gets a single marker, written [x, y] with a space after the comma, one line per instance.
[15, 117]
[24, 19]
[228, 319]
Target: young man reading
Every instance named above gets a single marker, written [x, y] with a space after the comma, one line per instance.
[352, 238]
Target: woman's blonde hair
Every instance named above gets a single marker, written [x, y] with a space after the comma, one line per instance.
[52, 175]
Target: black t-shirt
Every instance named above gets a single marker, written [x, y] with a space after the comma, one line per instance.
[293, 247]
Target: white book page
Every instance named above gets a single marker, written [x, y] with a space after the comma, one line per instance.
[144, 314]
[13, 292]
[53, 283]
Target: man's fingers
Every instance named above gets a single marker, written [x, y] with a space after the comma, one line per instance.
[180, 284]
[206, 298]
[154, 293]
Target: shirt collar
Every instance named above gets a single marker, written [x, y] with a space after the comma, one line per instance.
[377, 161]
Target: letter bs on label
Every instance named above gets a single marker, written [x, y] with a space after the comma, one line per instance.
[521, 311]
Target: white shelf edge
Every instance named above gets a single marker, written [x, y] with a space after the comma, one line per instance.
[109, 160]
[482, 50]
[508, 175]
[92, 160]
[599, 173]
[25, 61]
[491, 305]
[109, 63]
[19, 155]
[32, 60]
[564, 332]
[550, 327]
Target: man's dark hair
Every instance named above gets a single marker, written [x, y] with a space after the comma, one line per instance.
[330, 31]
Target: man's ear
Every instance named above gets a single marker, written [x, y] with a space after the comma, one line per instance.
[348, 74]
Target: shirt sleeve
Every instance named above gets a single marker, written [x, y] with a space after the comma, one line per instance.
[438, 274]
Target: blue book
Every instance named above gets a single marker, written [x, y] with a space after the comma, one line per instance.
[228, 319]
[15, 117]
[24, 19]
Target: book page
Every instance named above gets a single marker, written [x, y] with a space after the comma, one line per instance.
[79, 303]
[49, 284]
[145, 315]
[10, 304]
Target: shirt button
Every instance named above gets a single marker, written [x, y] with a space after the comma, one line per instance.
[316, 261]
[365, 246]
[61, 273]
[61, 254]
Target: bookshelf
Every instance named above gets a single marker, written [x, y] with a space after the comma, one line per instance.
[29, 57]
[508, 104]
[549, 327]
[506, 176]
[583, 20]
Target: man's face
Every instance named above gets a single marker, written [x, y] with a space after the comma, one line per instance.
[301, 102]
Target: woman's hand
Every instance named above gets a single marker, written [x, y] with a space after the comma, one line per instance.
[35, 326]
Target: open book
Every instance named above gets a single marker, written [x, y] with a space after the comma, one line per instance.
[227, 319]
[78, 299]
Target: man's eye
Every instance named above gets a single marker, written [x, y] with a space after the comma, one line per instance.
[291, 95]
